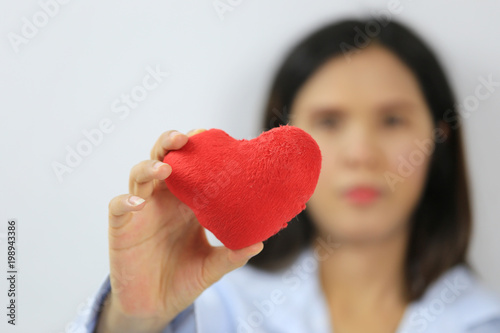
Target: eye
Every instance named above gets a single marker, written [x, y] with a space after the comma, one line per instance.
[393, 121]
[328, 122]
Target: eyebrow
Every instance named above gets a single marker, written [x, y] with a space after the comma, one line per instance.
[396, 104]
[385, 106]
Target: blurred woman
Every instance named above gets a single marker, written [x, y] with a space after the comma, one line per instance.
[381, 246]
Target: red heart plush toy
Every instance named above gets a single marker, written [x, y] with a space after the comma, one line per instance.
[245, 191]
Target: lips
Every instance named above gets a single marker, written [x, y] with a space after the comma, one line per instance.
[362, 194]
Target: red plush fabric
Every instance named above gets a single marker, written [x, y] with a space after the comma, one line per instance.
[245, 191]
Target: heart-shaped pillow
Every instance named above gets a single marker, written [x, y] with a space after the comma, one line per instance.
[245, 191]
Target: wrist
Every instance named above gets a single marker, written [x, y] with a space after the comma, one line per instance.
[113, 320]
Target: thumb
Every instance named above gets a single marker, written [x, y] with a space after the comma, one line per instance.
[223, 260]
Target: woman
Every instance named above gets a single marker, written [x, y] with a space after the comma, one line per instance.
[381, 246]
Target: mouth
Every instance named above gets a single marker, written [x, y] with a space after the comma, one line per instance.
[362, 195]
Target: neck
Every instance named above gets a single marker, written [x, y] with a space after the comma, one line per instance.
[365, 275]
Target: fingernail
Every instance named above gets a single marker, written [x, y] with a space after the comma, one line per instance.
[172, 134]
[135, 201]
[157, 165]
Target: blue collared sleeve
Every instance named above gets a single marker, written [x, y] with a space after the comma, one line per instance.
[86, 321]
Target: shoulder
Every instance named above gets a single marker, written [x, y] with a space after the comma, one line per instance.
[458, 301]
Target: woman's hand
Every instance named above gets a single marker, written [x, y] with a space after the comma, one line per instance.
[160, 258]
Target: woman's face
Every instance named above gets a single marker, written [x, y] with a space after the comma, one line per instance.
[375, 131]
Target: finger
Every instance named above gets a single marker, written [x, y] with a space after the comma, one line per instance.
[170, 140]
[223, 260]
[195, 131]
[121, 207]
[145, 175]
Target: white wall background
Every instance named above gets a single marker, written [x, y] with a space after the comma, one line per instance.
[65, 78]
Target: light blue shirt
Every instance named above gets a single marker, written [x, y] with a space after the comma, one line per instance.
[249, 300]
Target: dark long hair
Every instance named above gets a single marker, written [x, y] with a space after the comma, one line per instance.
[440, 226]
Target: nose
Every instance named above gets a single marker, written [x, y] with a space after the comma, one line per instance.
[361, 148]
